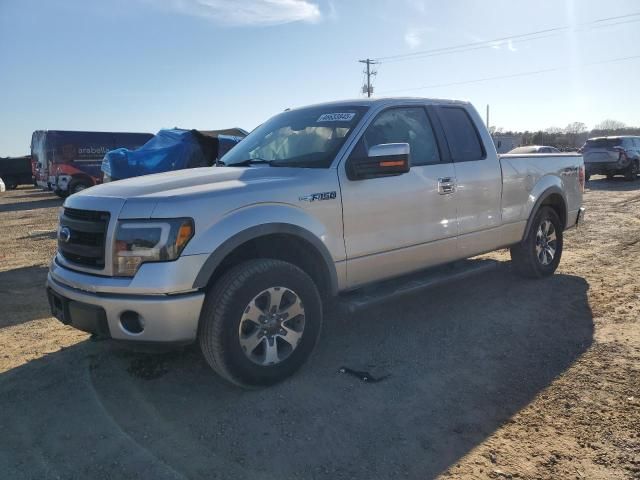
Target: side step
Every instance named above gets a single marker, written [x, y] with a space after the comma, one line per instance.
[381, 292]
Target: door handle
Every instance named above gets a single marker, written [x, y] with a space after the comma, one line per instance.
[446, 185]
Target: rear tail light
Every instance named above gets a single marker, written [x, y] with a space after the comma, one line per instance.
[622, 155]
[581, 177]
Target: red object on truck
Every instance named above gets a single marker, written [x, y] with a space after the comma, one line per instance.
[69, 161]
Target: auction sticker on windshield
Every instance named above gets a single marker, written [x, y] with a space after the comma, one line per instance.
[336, 117]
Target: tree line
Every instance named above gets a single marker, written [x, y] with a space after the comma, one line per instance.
[570, 137]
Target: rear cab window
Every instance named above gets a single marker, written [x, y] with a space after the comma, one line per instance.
[462, 135]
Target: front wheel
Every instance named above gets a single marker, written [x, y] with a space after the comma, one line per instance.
[538, 255]
[260, 322]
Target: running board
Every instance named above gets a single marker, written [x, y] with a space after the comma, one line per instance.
[381, 292]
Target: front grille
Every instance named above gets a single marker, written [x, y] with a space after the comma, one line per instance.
[87, 237]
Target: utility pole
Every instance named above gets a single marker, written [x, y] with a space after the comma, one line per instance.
[368, 89]
[487, 116]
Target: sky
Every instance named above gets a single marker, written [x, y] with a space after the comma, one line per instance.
[143, 65]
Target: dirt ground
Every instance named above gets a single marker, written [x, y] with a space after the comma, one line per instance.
[491, 377]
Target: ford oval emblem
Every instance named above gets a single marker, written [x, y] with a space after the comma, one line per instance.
[64, 234]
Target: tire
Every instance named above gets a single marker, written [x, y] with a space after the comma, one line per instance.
[10, 183]
[631, 173]
[529, 256]
[76, 186]
[234, 309]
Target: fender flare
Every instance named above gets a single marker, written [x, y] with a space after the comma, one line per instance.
[216, 258]
[536, 206]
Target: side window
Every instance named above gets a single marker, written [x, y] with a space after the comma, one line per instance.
[462, 136]
[402, 125]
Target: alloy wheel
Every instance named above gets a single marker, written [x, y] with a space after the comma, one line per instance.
[546, 242]
[271, 326]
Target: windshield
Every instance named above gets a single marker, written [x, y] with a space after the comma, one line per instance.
[309, 137]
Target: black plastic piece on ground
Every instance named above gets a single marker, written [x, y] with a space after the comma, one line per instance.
[364, 376]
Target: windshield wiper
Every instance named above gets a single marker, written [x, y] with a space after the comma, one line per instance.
[247, 162]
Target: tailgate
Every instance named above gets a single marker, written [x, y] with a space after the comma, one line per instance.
[600, 155]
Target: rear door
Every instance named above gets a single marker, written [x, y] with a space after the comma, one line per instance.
[634, 146]
[398, 224]
[478, 178]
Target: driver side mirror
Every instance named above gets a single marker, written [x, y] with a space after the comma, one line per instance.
[383, 160]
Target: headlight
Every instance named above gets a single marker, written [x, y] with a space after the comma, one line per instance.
[141, 241]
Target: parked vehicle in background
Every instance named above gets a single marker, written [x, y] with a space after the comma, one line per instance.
[34, 171]
[612, 156]
[16, 171]
[168, 150]
[534, 149]
[316, 202]
[69, 161]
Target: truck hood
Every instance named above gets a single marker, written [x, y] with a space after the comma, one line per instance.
[221, 189]
[187, 181]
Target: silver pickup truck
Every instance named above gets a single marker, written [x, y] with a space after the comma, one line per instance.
[317, 202]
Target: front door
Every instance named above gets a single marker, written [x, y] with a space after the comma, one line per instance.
[398, 224]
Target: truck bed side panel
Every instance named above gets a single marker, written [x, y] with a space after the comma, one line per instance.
[528, 177]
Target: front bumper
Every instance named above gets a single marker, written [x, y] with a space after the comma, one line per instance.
[163, 318]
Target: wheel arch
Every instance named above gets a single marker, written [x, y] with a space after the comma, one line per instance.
[292, 243]
[551, 197]
[83, 178]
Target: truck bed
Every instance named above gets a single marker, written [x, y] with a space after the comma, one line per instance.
[524, 176]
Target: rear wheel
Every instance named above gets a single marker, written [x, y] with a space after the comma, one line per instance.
[631, 173]
[260, 322]
[538, 255]
[10, 183]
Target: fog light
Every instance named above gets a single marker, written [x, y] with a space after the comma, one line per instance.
[131, 322]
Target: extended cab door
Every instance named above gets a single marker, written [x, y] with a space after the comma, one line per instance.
[478, 179]
[398, 224]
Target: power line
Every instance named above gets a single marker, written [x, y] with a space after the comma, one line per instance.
[488, 43]
[513, 75]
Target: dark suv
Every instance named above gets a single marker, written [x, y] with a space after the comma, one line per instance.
[612, 156]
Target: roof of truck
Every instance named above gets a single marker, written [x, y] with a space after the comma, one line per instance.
[368, 102]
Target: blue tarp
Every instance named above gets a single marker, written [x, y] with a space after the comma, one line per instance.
[171, 149]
